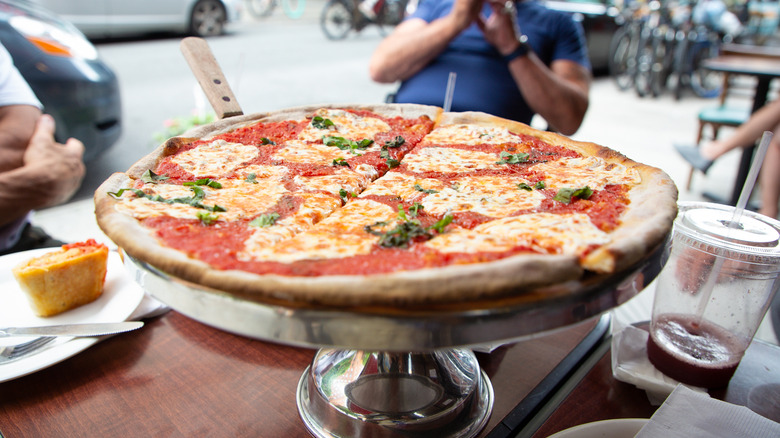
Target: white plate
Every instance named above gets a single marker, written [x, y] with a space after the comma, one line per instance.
[120, 298]
[620, 428]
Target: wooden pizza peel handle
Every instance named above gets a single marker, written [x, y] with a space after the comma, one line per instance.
[210, 77]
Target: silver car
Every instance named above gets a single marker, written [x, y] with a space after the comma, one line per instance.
[115, 18]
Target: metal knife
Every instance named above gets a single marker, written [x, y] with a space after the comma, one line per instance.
[95, 329]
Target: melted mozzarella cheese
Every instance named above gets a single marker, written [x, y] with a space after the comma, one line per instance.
[567, 234]
[487, 195]
[346, 179]
[141, 208]
[345, 124]
[239, 198]
[449, 160]
[402, 186]
[593, 172]
[300, 152]
[339, 235]
[215, 159]
[314, 208]
[471, 135]
[264, 174]
[243, 199]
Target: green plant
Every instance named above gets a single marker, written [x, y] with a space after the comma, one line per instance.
[180, 125]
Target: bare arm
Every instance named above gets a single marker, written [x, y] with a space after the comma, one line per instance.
[414, 43]
[17, 124]
[765, 119]
[50, 173]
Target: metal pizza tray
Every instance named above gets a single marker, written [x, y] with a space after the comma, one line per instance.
[397, 329]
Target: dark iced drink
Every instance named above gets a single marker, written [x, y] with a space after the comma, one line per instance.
[699, 354]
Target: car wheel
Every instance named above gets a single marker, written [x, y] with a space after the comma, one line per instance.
[208, 18]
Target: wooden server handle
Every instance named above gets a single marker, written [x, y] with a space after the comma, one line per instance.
[210, 77]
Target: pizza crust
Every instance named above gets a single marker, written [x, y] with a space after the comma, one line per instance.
[645, 225]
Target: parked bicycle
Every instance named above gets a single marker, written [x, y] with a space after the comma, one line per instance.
[264, 8]
[662, 46]
[339, 17]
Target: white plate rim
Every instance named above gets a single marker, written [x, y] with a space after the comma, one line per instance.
[604, 428]
[120, 298]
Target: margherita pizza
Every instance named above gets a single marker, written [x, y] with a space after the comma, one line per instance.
[392, 205]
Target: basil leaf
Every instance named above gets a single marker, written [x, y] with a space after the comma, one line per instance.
[204, 182]
[267, 141]
[566, 195]
[265, 220]
[524, 186]
[137, 192]
[320, 122]
[414, 210]
[507, 158]
[344, 194]
[340, 162]
[346, 144]
[151, 177]
[540, 185]
[207, 218]
[442, 223]
[251, 178]
[420, 189]
[397, 142]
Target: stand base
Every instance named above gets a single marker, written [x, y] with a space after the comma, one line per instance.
[348, 393]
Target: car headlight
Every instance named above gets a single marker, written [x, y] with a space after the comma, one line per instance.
[52, 39]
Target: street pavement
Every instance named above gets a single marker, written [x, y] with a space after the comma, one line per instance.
[643, 129]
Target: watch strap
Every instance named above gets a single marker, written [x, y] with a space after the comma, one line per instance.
[522, 49]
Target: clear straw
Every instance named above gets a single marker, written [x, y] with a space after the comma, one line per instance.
[750, 181]
[744, 197]
[450, 91]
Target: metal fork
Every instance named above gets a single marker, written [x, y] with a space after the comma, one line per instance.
[13, 352]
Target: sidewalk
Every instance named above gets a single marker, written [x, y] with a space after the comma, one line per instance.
[642, 129]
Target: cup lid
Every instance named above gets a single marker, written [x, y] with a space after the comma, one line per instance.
[712, 224]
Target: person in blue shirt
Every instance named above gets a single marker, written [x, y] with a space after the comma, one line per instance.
[512, 59]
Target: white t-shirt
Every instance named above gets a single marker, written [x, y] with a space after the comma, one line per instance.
[14, 90]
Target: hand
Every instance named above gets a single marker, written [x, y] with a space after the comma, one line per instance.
[62, 163]
[500, 28]
[465, 12]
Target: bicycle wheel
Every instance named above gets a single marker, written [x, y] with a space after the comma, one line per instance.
[660, 68]
[390, 14]
[294, 8]
[705, 82]
[621, 57]
[336, 19]
[261, 8]
[644, 64]
[679, 67]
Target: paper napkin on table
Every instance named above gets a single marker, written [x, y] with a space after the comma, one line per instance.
[148, 307]
[631, 365]
[687, 413]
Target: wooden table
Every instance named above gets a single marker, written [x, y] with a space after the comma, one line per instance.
[764, 65]
[176, 377]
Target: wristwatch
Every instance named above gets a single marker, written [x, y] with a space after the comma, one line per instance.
[522, 49]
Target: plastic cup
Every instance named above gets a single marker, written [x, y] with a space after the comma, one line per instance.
[713, 292]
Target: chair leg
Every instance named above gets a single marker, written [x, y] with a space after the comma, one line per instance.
[699, 137]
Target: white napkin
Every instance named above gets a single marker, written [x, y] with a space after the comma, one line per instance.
[631, 365]
[148, 307]
[687, 413]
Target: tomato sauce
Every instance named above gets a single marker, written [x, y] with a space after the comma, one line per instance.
[219, 243]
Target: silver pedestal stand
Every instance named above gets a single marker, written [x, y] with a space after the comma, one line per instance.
[392, 374]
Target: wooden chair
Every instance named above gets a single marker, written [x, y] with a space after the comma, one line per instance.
[716, 117]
